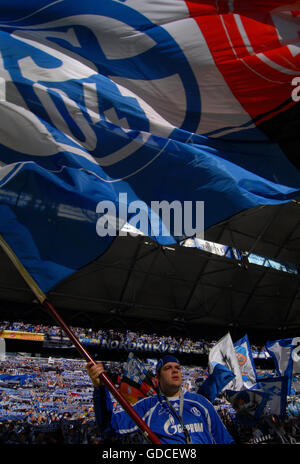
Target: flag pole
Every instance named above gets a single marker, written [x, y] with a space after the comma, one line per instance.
[147, 432]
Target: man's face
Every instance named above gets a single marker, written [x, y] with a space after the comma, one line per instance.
[170, 378]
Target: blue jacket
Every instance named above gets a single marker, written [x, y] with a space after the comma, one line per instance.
[199, 416]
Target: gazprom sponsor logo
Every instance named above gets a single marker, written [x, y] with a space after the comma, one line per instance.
[171, 428]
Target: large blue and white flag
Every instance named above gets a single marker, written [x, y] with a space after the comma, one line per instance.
[246, 362]
[107, 107]
[223, 353]
[267, 397]
[275, 392]
[285, 353]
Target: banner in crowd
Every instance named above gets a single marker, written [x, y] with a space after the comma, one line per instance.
[153, 347]
[135, 369]
[267, 397]
[137, 381]
[275, 390]
[285, 353]
[7, 416]
[186, 101]
[39, 337]
[21, 379]
[223, 352]
[246, 362]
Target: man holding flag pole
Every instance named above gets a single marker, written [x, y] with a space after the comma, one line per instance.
[175, 416]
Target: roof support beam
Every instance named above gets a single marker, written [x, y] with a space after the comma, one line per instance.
[290, 306]
[200, 274]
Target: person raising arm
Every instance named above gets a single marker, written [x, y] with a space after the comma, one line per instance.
[174, 415]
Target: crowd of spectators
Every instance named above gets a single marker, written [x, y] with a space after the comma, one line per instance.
[49, 401]
[45, 401]
[88, 335]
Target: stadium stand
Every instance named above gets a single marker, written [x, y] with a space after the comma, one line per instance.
[49, 400]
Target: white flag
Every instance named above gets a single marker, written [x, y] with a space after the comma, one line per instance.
[224, 353]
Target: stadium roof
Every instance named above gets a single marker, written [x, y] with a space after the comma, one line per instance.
[138, 279]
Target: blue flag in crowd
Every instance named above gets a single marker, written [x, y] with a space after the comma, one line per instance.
[109, 106]
[266, 397]
[246, 362]
[137, 380]
[17, 378]
[12, 416]
[275, 392]
[215, 382]
[285, 353]
[135, 369]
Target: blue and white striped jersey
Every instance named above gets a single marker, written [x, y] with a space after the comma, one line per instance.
[199, 417]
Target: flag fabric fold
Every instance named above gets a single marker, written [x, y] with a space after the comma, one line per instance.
[285, 354]
[223, 353]
[157, 100]
[267, 397]
[137, 381]
[246, 362]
